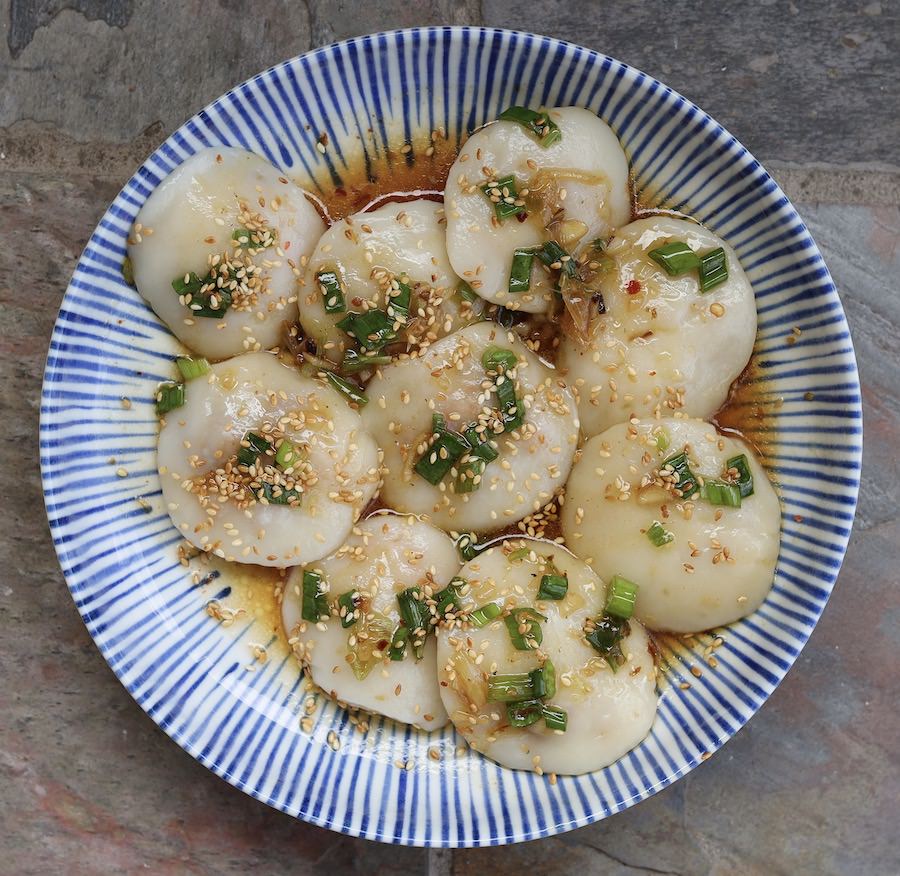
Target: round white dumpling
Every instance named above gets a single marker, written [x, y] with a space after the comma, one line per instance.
[385, 555]
[188, 226]
[662, 345]
[449, 379]
[608, 712]
[720, 561]
[223, 507]
[577, 188]
[368, 253]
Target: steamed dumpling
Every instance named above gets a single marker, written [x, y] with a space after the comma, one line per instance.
[385, 554]
[195, 222]
[368, 253]
[450, 380]
[608, 712]
[216, 503]
[720, 561]
[662, 345]
[577, 187]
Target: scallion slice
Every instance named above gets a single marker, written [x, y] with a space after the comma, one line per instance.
[555, 718]
[620, 597]
[713, 269]
[532, 636]
[371, 328]
[348, 389]
[468, 547]
[520, 270]
[448, 598]
[744, 475]
[191, 368]
[718, 492]
[518, 554]
[467, 293]
[201, 295]
[397, 651]
[537, 123]
[353, 362]
[662, 440]
[257, 445]
[314, 603]
[659, 535]
[554, 256]
[686, 484]
[511, 688]
[288, 454]
[543, 681]
[499, 360]
[441, 455]
[484, 615]
[512, 409]
[347, 603]
[502, 194]
[332, 294]
[606, 638]
[676, 258]
[524, 713]
[553, 586]
[474, 461]
[398, 300]
[169, 396]
[414, 613]
[275, 494]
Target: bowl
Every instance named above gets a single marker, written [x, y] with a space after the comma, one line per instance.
[203, 679]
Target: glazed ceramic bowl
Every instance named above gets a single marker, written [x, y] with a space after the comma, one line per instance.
[118, 549]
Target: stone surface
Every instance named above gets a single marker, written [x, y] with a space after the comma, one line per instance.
[89, 785]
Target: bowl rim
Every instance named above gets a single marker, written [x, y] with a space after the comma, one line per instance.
[592, 57]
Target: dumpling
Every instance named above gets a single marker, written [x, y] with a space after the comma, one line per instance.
[385, 555]
[282, 511]
[228, 213]
[699, 564]
[423, 408]
[661, 346]
[572, 191]
[608, 711]
[366, 255]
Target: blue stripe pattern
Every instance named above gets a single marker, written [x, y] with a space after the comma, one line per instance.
[146, 614]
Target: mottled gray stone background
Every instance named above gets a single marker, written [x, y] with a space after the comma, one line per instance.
[88, 785]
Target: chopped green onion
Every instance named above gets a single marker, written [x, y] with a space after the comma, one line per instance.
[474, 461]
[168, 397]
[553, 586]
[250, 239]
[686, 485]
[520, 270]
[524, 713]
[347, 388]
[543, 681]
[448, 597]
[621, 596]
[662, 440]
[555, 718]
[249, 455]
[538, 123]
[275, 494]
[512, 409]
[332, 293]
[510, 688]
[718, 492]
[606, 638]
[191, 368]
[128, 271]
[354, 363]
[713, 269]
[554, 256]
[397, 650]
[532, 636]
[371, 328]
[468, 547]
[198, 294]
[484, 615]
[503, 195]
[518, 554]
[675, 258]
[467, 293]
[659, 535]
[598, 244]
[745, 476]
[441, 455]
[414, 614]
[498, 359]
[398, 301]
[288, 454]
[314, 604]
[506, 317]
[347, 603]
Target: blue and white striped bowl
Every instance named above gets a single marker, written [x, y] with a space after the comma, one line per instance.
[139, 604]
